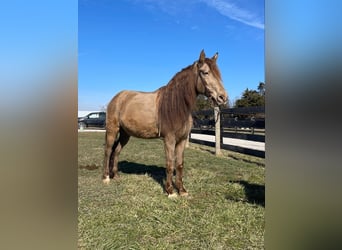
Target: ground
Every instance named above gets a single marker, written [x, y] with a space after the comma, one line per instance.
[225, 209]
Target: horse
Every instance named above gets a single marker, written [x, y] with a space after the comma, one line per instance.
[164, 113]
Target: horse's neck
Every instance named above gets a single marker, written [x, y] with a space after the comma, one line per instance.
[177, 100]
[186, 81]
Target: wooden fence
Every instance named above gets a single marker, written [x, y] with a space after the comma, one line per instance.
[241, 130]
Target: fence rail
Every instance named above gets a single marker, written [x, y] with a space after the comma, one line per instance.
[241, 130]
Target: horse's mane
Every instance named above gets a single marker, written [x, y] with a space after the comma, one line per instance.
[177, 99]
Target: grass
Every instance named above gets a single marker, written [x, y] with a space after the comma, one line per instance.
[225, 209]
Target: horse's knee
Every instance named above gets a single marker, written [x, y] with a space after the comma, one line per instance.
[179, 166]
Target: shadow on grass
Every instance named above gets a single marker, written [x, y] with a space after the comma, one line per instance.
[255, 193]
[157, 173]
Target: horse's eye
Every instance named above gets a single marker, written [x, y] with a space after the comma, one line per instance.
[204, 73]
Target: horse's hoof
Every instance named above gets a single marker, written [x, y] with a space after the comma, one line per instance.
[106, 180]
[184, 194]
[172, 196]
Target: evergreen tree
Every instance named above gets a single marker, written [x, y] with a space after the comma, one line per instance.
[261, 88]
[252, 98]
[202, 103]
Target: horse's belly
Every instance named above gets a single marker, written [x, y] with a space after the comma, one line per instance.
[141, 128]
[139, 118]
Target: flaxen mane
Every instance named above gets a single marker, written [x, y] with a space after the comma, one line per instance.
[177, 99]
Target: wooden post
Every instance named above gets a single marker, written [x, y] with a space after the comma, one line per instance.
[217, 131]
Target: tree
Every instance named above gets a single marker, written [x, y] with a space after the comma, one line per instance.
[261, 88]
[202, 103]
[252, 98]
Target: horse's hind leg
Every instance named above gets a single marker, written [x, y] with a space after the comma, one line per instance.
[118, 146]
[111, 135]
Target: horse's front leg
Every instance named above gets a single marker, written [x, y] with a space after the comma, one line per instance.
[169, 146]
[179, 167]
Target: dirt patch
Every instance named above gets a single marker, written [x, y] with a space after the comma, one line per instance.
[88, 167]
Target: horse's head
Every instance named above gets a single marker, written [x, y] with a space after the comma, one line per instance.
[209, 80]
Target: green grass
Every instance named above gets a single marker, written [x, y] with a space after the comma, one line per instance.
[225, 209]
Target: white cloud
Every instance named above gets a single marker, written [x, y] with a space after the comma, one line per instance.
[230, 10]
[225, 7]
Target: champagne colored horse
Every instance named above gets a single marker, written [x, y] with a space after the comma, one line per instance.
[164, 113]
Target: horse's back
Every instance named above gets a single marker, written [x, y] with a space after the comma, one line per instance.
[135, 112]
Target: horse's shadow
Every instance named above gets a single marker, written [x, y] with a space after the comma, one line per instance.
[157, 173]
[255, 193]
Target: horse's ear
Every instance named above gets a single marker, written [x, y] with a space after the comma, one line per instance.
[215, 56]
[202, 57]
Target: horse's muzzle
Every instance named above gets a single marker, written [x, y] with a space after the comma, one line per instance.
[221, 99]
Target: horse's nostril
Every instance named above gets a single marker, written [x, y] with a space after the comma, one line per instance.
[222, 98]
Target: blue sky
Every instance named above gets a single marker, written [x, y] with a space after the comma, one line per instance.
[34, 43]
[141, 44]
